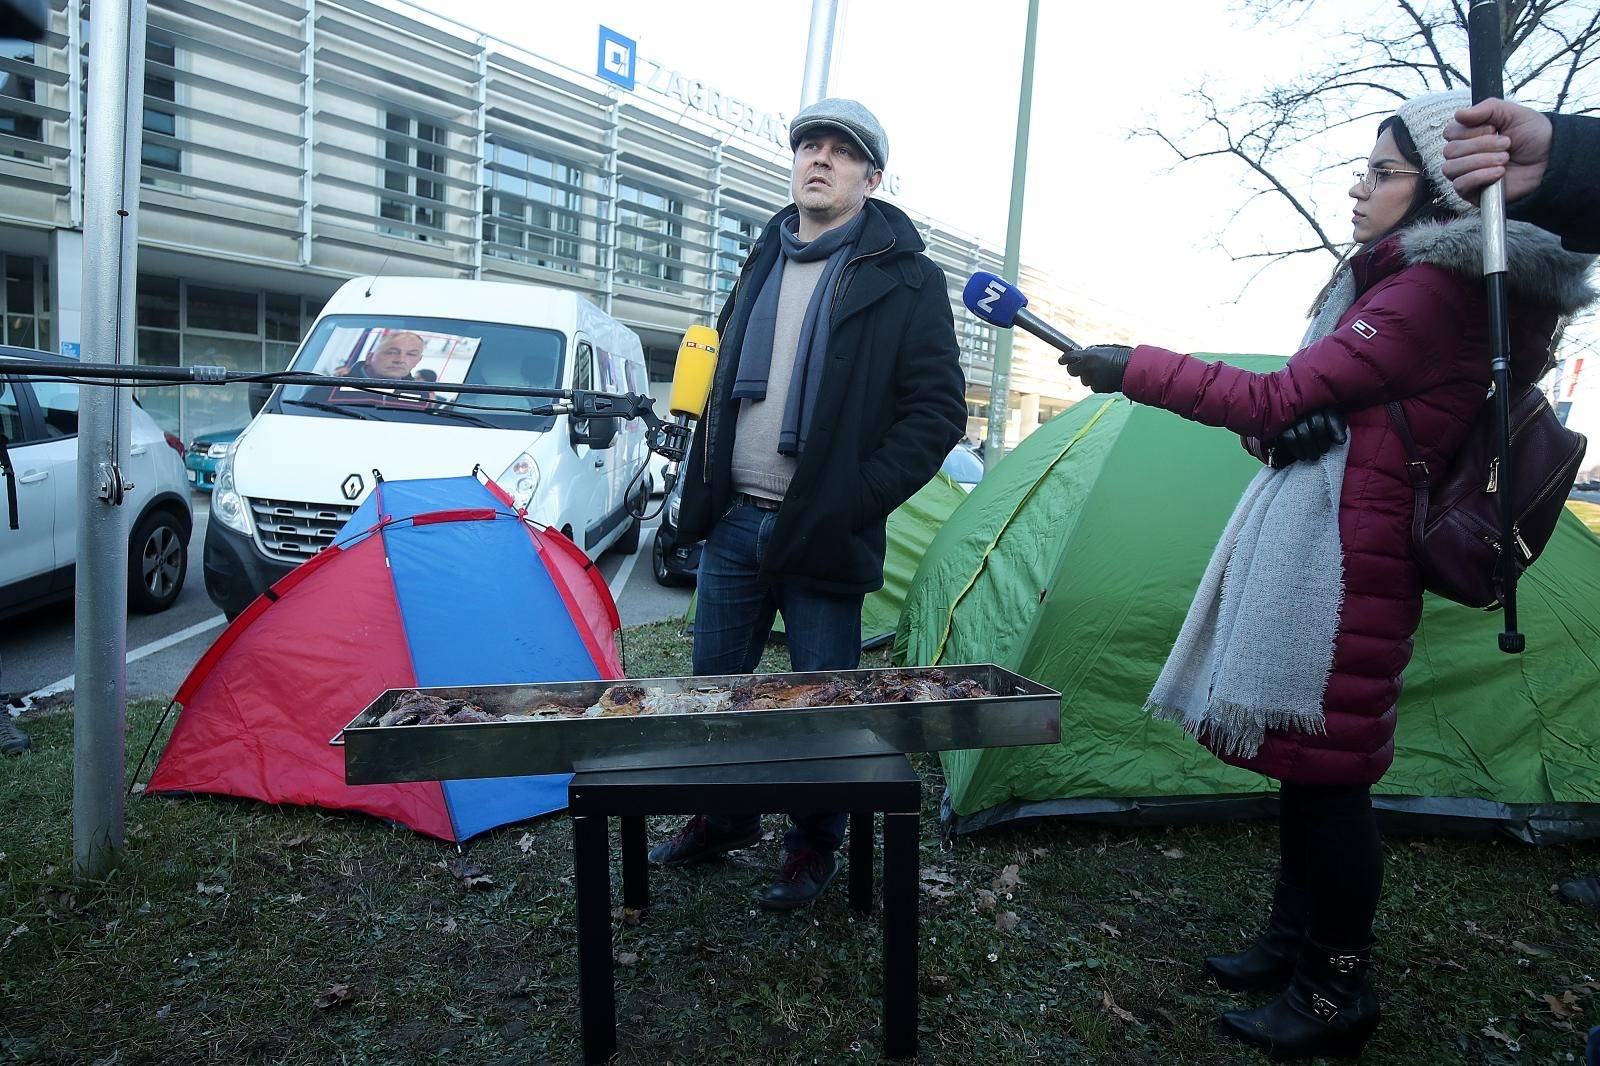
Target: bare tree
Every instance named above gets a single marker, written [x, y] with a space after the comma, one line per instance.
[1277, 136]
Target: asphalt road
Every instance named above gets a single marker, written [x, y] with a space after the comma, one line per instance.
[36, 649]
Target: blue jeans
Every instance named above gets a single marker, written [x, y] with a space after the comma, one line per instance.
[733, 620]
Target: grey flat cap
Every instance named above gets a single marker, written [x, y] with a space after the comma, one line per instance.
[849, 116]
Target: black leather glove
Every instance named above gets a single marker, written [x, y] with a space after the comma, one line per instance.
[1099, 366]
[1310, 438]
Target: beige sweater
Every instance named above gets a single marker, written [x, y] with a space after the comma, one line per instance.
[758, 468]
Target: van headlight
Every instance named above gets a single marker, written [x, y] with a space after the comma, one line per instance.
[227, 505]
[520, 480]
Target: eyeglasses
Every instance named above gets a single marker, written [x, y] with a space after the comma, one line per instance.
[1373, 177]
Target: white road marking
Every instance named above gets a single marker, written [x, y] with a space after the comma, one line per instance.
[168, 641]
[619, 581]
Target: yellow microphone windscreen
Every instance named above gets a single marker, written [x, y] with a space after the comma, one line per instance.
[691, 378]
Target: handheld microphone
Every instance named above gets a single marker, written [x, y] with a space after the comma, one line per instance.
[691, 377]
[1000, 303]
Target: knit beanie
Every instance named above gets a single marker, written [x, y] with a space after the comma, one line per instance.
[1425, 118]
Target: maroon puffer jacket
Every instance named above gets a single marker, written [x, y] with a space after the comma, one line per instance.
[1418, 333]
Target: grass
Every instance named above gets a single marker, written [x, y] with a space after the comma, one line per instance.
[1588, 512]
[240, 932]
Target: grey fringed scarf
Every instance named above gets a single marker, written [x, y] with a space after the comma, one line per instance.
[755, 351]
[1256, 649]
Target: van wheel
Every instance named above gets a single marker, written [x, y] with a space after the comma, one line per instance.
[158, 560]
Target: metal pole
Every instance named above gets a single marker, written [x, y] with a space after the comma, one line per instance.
[1485, 34]
[819, 51]
[1000, 377]
[111, 229]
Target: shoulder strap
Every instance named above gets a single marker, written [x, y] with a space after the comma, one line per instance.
[1416, 473]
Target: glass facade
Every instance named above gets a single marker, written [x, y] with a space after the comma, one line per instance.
[19, 117]
[535, 207]
[418, 199]
[156, 154]
[186, 324]
[649, 235]
[25, 302]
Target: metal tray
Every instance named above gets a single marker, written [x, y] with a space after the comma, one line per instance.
[1020, 712]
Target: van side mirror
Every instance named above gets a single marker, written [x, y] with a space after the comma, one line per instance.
[595, 432]
[259, 393]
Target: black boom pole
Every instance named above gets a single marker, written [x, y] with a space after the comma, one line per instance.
[1484, 36]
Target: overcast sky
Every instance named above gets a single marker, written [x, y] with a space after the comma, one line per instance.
[1106, 212]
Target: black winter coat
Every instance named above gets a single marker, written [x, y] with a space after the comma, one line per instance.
[1567, 201]
[891, 405]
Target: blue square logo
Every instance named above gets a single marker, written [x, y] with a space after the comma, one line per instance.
[618, 56]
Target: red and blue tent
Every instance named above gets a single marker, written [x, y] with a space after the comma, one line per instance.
[430, 583]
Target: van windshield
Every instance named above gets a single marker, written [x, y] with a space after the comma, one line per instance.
[443, 350]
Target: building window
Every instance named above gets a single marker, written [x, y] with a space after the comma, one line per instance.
[527, 207]
[648, 233]
[15, 121]
[24, 314]
[733, 245]
[184, 324]
[420, 199]
[157, 88]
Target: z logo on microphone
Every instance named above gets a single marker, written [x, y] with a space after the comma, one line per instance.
[993, 292]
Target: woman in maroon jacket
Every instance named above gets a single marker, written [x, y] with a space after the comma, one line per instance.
[1313, 591]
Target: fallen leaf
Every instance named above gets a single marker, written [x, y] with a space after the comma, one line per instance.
[525, 843]
[1007, 921]
[138, 787]
[937, 883]
[769, 835]
[1172, 853]
[1117, 1012]
[1511, 1043]
[1008, 880]
[627, 958]
[1109, 928]
[448, 927]
[295, 842]
[469, 875]
[1526, 949]
[986, 900]
[16, 931]
[1563, 1008]
[332, 996]
[628, 916]
[208, 890]
[1040, 853]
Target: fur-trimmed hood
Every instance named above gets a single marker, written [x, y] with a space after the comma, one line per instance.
[1538, 269]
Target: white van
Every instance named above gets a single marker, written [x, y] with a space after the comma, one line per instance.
[306, 460]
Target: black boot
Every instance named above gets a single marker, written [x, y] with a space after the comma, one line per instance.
[1269, 962]
[1328, 1009]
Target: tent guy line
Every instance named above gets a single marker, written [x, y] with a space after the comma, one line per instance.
[168, 641]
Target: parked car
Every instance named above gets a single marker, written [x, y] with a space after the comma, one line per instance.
[673, 564]
[964, 466]
[38, 560]
[312, 454]
[204, 453]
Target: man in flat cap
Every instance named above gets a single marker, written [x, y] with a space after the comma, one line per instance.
[837, 395]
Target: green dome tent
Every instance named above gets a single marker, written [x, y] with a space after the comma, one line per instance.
[1074, 563]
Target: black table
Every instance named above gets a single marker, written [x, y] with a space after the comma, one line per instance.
[863, 786]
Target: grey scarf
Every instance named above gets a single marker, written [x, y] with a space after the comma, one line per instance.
[1256, 649]
[755, 350]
